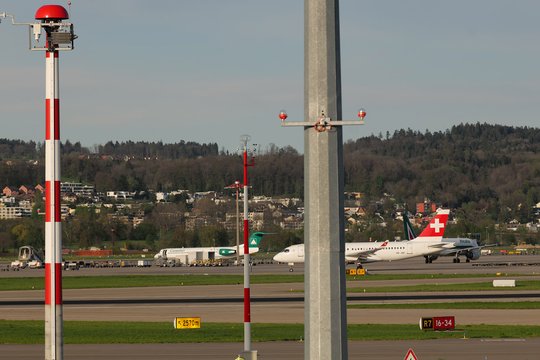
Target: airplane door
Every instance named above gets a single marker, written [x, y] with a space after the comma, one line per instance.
[409, 248]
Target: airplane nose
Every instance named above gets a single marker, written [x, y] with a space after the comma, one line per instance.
[278, 257]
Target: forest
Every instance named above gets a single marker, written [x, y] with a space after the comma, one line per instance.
[488, 173]
[493, 166]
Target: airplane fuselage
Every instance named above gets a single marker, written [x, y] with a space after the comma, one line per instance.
[215, 253]
[396, 250]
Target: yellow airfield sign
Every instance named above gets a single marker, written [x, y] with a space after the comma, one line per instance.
[187, 323]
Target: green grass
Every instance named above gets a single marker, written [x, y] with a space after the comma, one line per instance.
[378, 277]
[521, 305]
[120, 281]
[88, 282]
[93, 332]
[521, 285]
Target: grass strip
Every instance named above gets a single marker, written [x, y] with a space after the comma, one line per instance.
[93, 332]
[521, 305]
[123, 281]
[522, 285]
[118, 281]
[377, 277]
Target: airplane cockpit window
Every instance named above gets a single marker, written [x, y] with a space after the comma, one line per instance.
[287, 250]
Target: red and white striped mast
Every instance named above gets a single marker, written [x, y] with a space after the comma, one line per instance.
[59, 36]
[248, 353]
[53, 225]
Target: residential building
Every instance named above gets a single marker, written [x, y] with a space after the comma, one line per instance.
[14, 212]
[77, 189]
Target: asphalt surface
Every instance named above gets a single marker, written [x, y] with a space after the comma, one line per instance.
[452, 349]
[282, 303]
[492, 264]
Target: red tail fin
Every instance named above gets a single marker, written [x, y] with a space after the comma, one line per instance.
[437, 225]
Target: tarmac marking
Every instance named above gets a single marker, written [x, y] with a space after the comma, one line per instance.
[503, 340]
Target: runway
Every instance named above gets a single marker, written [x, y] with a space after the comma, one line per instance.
[283, 303]
[492, 264]
[469, 349]
[280, 303]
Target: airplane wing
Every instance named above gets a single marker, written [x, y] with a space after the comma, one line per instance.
[463, 250]
[441, 246]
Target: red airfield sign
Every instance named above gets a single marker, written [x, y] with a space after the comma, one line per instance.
[410, 355]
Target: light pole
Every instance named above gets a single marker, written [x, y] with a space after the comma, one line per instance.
[59, 36]
[248, 352]
[237, 187]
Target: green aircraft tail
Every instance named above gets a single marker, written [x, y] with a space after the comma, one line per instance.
[255, 239]
[407, 227]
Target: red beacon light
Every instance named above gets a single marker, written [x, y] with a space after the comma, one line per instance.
[362, 114]
[51, 13]
[283, 115]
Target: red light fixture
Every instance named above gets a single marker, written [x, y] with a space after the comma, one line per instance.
[362, 113]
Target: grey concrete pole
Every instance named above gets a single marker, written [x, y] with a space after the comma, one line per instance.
[325, 301]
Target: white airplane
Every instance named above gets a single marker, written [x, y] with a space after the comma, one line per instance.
[191, 255]
[461, 246]
[429, 242]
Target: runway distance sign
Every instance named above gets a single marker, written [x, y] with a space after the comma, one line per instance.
[439, 323]
[187, 323]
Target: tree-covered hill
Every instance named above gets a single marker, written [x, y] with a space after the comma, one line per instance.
[492, 169]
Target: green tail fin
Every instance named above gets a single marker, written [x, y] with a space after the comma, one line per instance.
[407, 227]
[255, 239]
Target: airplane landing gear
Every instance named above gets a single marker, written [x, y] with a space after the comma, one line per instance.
[291, 269]
[456, 260]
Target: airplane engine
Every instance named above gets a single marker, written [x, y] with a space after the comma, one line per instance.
[473, 254]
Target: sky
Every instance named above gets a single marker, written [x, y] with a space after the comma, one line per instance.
[213, 70]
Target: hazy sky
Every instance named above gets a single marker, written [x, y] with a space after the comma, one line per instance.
[212, 70]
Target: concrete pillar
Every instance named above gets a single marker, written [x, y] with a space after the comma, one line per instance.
[325, 300]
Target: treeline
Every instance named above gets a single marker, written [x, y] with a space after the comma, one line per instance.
[491, 169]
[21, 150]
[158, 150]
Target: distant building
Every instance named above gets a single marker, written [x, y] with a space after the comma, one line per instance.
[292, 223]
[8, 200]
[426, 207]
[195, 222]
[120, 195]
[27, 190]
[77, 189]
[161, 196]
[10, 191]
[14, 212]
